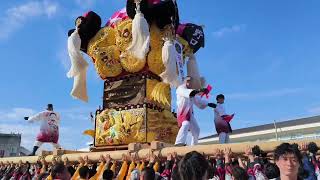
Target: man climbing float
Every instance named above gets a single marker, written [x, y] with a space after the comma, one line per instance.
[186, 97]
[49, 128]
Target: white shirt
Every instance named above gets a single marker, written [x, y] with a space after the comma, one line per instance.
[219, 111]
[50, 120]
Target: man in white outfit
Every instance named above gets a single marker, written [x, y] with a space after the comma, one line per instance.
[221, 120]
[49, 128]
[186, 97]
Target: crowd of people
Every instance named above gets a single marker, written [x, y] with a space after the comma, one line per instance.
[287, 162]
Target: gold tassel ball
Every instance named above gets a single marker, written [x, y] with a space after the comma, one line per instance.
[104, 38]
[130, 63]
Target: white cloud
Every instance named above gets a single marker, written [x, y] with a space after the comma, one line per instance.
[17, 16]
[26, 130]
[314, 110]
[266, 94]
[232, 29]
[11, 121]
[29, 132]
[15, 114]
[78, 114]
[85, 3]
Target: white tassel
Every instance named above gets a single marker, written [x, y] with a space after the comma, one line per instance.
[203, 82]
[140, 35]
[193, 71]
[78, 69]
[169, 54]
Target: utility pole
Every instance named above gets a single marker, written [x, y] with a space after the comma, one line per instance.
[275, 127]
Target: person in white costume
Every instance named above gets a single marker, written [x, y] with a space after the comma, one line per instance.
[186, 97]
[221, 120]
[49, 128]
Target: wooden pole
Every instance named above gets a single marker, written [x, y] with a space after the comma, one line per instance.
[237, 148]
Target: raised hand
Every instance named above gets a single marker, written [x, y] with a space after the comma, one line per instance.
[217, 153]
[107, 158]
[152, 158]
[124, 157]
[86, 160]
[169, 157]
[81, 161]
[66, 161]
[248, 152]
[102, 159]
[204, 90]
[241, 164]
[227, 154]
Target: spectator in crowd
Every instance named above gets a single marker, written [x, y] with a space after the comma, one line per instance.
[290, 162]
[272, 171]
[288, 158]
[147, 174]
[193, 166]
[84, 173]
[107, 175]
[59, 171]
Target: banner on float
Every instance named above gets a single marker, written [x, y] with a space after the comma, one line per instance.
[179, 59]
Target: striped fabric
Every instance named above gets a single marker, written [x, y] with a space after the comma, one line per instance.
[117, 16]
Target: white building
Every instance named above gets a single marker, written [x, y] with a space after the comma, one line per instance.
[304, 128]
[10, 145]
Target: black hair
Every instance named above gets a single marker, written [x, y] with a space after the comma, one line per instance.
[148, 173]
[70, 32]
[286, 148]
[313, 148]
[239, 173]
[93, 170]
[193, 165]
[84, 172]
[50, 106]
[256, 151]
[58, 168]
[271, 170]
[302, 173]
[220, 96]
[43, 176]
[175, 173]
[235, 162]
[107, 174]
[71, 170]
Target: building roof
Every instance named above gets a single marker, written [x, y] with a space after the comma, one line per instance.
[282, 124]
[10, 135]
[24, 151]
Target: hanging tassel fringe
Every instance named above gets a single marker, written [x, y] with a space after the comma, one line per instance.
[169, 54]
[78, 69]
[193, 71]
[140, 35]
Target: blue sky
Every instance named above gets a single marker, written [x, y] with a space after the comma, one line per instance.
[263, 55]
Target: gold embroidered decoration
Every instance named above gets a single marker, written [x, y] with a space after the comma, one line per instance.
[105, 37]
[123, 34]
[161, 93]
[130, 63]
[107, 62]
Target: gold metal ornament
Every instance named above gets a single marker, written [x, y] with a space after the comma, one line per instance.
[107, 62]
